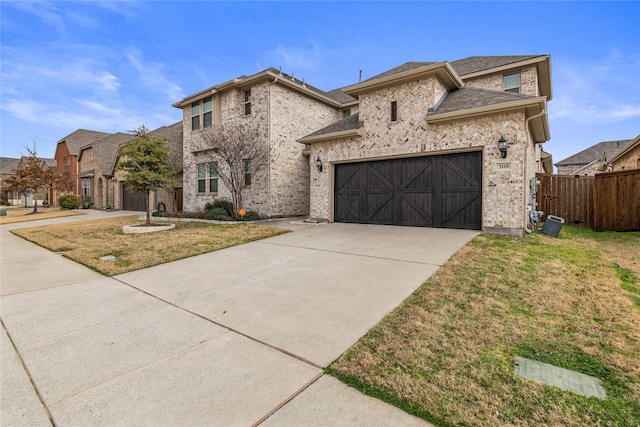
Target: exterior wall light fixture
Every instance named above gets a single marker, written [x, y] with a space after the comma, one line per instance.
[502, 146]
[318, 163]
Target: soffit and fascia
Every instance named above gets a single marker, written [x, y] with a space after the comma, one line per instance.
[443, 70]
[532, 106]
[246, 82]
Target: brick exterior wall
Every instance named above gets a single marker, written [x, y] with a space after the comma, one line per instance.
[279, 116]
[70, 182]
[528, 81]
[631, 160]
[505, 181]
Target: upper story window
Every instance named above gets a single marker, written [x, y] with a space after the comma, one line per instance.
[202, 113]
[195, 115]
[67, 163]
[512, 83]
[247, 102]
[394, 111]
[346, 113]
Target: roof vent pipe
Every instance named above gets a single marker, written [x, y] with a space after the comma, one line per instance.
[360, 78]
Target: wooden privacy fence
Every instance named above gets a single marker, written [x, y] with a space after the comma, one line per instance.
[607, 202]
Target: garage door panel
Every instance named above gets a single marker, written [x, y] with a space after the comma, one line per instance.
[417, 209]
[133, 200]
[380, 210]
[433, 191]
[348, 208]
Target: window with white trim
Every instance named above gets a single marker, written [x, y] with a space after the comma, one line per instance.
[208, 177]
[512, 82]
[202, 113]
[247, 172]
[247, 102]
[86, 187]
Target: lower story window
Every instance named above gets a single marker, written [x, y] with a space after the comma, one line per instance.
[86, 187]
[208, 177]
[247, 172]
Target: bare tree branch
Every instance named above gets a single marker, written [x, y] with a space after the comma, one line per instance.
[236, 149]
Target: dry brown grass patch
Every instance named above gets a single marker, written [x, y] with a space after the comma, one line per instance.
[86, 242]
[447, 353]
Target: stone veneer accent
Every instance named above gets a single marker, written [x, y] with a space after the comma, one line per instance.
[505, 181]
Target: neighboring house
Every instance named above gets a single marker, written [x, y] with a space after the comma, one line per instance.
[102, 186]
[66, 155]
[44, 197]
[97, 182]
[625, 159]
[423, 149]
[416, 145]
[277, 107]
[7, 166]
[169, 198]
[592, 159]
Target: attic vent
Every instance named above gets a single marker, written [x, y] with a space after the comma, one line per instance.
[504, 165]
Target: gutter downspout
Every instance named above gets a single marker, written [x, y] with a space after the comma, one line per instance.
[531, 193]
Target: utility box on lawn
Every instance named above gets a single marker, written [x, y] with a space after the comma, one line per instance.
[552, 225]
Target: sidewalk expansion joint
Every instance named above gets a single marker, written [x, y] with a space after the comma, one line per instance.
[273, 347]
[293, 396]
[352, 254]
[26, 370]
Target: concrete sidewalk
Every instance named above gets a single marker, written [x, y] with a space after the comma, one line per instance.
[234, 337]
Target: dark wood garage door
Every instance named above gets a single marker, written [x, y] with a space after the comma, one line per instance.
[435, 191]
[133, 200]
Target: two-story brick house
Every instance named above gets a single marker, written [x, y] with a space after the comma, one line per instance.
[437, 144]
[66, 156]
[277, 107]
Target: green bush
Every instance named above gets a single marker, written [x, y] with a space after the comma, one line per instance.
[69, 201]
[220, 204]
[251, 216]
[217, 214]
[160, 213]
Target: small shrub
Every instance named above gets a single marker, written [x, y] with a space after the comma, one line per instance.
[220, 203]
[217, 214]
[251, 216]
[163, 214]
[69, 201]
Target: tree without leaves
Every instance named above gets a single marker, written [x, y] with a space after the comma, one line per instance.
[146, 163]
[234, 146]
[31, 176]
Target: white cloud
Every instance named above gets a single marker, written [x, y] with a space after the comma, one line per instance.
[296, 58]
[153, 75]
[597, 92]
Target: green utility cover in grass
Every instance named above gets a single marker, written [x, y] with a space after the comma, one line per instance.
[565, 379]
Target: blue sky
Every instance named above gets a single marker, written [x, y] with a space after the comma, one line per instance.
[113, 66]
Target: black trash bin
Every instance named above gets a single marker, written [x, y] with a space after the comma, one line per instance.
[552, 225]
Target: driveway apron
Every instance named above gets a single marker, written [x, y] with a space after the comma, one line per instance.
[234, 337]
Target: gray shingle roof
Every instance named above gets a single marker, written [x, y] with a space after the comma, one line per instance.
[173, 135]
[106, 151]
[78, 139]
[399, 69]
[349, 123]
[474, 64]
[8, 164]
[468, 97]
[601, 151]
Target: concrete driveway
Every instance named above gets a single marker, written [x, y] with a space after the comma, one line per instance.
[234, 337]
